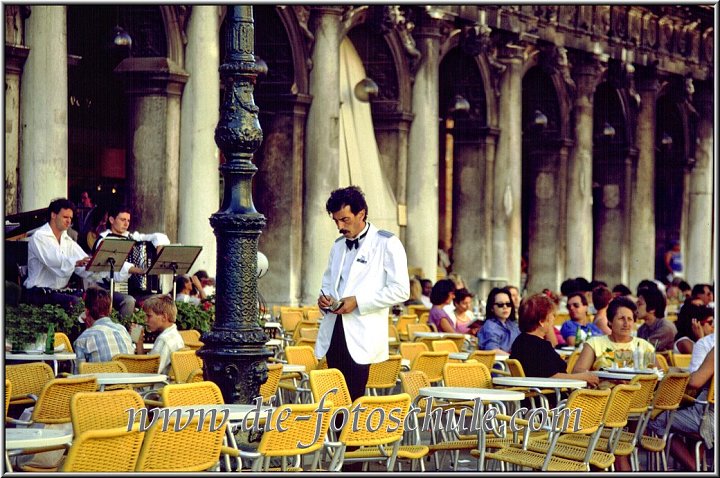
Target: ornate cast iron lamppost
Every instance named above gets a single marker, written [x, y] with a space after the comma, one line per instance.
[234, 352]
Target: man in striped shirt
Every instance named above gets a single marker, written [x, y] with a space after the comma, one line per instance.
[103, 338]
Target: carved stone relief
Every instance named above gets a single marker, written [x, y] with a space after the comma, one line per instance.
[602, 19]
[567, 15]
[650, 30]
[611, 196]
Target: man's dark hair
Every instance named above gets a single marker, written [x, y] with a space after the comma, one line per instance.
[350, 196]
[683, 286]
[646, 284]
[583, 284]
[57, 204]
[622, 289]
[117, 209]
[597, 283]
[654, 300]
[618, 302]
[699, 289]
[568, 286]
[441, 290]
[97, 302]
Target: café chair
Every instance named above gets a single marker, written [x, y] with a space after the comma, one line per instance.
[304, 435]
[62, 339]
[188, 394]
[28, 381]
[113, 450]
[662, 362]
[103, 410]
[384, 375]
[269, 389]
[376, 440]
[694, 438]
[184, 363]
[8, 393]
[432, 363]
[402, 325]
[445, 345]
[591, 404]
[139, 363]
[184, 445]
[410, 350]
[413, 328]
[681, 360]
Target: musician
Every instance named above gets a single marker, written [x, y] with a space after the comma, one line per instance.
[119, 223]
[53, 257]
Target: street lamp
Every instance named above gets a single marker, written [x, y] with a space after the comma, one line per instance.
[608, 130]
[234, 354]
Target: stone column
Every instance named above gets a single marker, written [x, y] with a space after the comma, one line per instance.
[199, 179]
[642, 211]
[579, 258]
[15, 56]
[506, 239]
[469, 211]
[153, 86]
[421, 240]
[698, 250]
[322, 168]
[44, 109]
[281, 180]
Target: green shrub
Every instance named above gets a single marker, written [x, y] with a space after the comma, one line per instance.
[195, 317]
[25, 324]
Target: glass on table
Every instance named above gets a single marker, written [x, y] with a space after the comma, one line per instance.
[622, 358]
[649, 359]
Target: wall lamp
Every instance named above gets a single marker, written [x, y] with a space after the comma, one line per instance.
[608, 130]
[365, 89]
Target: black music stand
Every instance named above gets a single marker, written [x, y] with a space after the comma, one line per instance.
[175, 259]
[108, 254]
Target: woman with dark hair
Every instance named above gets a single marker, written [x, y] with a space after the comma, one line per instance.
[694, 322]
[537, 356]
[461, 311]
[603, 350]
[441, 295]
[500, 328]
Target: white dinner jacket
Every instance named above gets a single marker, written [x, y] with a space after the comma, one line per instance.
[378, 279]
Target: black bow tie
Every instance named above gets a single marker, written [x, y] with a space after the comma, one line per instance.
[350, 243]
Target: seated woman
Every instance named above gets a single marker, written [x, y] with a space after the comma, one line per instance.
[187, 290]
[500, 328]
[535, 353]
[694, 322]
[461, 311]
[441, 295]
[599, 351]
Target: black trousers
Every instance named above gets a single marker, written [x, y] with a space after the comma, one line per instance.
[356, 375]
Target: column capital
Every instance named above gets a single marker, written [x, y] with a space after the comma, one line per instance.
[587, 71]
[15, 56]
[432, 22]
[152, 76]
[647, 79]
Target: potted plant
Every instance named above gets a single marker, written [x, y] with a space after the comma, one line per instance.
[26, 326]
[195, 317]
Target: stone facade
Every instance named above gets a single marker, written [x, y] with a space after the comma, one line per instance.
[587, 146]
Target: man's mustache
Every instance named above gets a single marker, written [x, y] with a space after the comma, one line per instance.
[343, 231]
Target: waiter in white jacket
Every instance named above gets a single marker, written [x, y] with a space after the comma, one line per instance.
[366, 275]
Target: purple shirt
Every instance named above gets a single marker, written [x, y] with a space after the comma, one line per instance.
[436, 316]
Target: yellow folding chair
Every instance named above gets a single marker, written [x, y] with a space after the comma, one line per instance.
[114, 450]
[384, 375]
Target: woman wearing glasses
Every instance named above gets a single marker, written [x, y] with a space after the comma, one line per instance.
[500, 329]
[694, 322]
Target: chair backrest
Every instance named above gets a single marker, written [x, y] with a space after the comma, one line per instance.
[62, 339]
[662, 362]
[53, 404]
[681, 360]
[417, 310]
[196, 447]
[472, 374]
[330, 383]
[187, 394]
[618, 406]
[412, 328]
[515, 367]
[305, 435]
[8, 393]
[301, 355]
[423, 317]
[432, 364]
[410, 350]
[711, 391]
[572, 360]
[412, 382]
[385, 374]
[485, 357]
[103, 410]
[184, 363]
[393, 332]
[590, 406]
[372, 429]
[104, 450]
[102, 367]
[403, 322]
[290, 318]
[444, 346]
[642, 399]
[28, 379]
[269, 388]
[313, 313]
[309, 332]
[190, 334]
[139, 363]
[669, 393]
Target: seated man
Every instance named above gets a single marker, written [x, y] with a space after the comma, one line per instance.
[103, 338]
[161, 313]
[657, 329]
[119, 221]
[53, 257]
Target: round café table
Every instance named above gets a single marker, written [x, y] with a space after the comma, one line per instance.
[120, 378]
[41, 357]
[541, 382]
[31, 438]
[479, 395]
